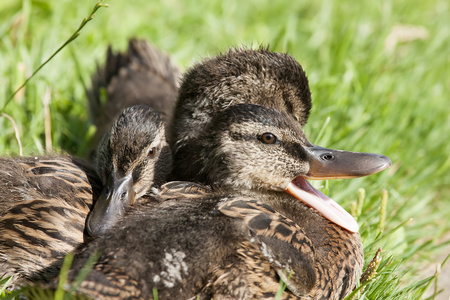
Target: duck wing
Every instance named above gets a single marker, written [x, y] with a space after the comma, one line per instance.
[282, 242]
[43, 206]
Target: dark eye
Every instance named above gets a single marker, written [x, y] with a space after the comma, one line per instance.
[152, 152]
[268, 138]
[108, 143]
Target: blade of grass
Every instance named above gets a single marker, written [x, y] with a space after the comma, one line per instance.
[85, 271]
[16, 131]
[68, 41]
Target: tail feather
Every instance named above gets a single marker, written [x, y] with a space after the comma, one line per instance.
[141, 75]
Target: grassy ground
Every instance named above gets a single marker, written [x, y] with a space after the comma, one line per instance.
[378, 86]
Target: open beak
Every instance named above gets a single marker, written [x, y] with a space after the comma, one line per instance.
[116, 196]
[331, 164]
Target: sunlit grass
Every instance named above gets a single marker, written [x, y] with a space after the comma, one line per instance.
[367, 96]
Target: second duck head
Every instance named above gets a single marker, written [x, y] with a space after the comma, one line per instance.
[132, 157]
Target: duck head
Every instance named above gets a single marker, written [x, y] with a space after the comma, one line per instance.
[255, 149]
[131, 158]
[260, 76]
[239, 121]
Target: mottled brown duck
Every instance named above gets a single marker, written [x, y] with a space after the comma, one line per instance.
[263, 221]
[259, 158]
[141, 75]
[45, 199]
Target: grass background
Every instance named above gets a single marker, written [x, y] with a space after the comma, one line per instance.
[368, 95]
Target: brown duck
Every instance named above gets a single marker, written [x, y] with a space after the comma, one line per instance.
[267, 160]
[237, 127]
[45, 199]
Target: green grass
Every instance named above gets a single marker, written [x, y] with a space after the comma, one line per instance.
[365, 97]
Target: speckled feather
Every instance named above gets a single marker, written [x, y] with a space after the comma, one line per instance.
[286, 246]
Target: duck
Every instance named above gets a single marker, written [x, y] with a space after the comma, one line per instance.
[46, 199]
[237, 131]
[273, 163]
[142, 75]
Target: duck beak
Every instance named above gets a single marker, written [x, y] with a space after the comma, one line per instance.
[116, 196]
[331, 164]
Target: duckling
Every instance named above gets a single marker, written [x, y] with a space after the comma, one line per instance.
[218, 141]
[142, 75]
[134, 155]
[45, 200]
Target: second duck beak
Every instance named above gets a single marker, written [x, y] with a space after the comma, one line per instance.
[116, 196]
[331, 164]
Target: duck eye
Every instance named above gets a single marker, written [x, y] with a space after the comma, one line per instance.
[268, 138]
[152, 152]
